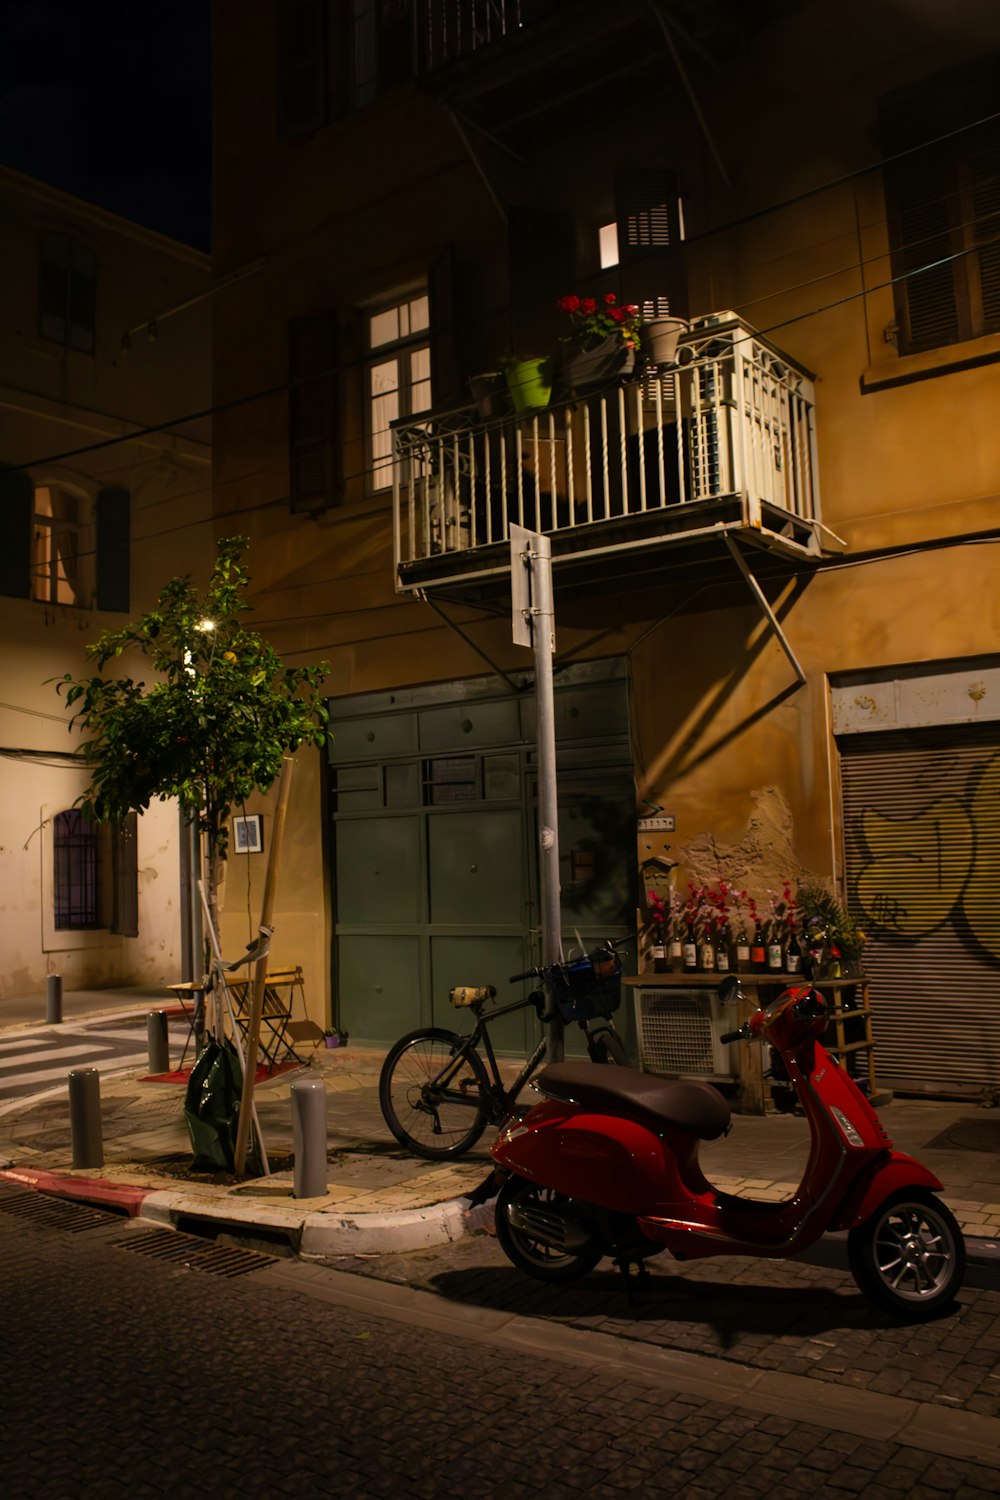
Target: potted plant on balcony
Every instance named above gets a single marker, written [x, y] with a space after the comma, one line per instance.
[660, 337]
[529, 381]
[603, 343]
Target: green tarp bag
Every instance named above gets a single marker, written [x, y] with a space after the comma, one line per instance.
[212, 1107]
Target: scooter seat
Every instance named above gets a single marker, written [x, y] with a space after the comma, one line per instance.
[696, 1107]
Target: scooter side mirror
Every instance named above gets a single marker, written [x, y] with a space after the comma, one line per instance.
[729, 989]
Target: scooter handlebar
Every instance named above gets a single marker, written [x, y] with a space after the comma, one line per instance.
[739, 1035]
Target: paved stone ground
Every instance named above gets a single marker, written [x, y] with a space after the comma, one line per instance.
[785, 1316]
[123, 1376]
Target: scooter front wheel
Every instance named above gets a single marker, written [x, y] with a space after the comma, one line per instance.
[909, 1256]
[542, 1235]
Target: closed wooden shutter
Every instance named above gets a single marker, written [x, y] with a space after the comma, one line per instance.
[922, 845]
[113, 549]
[312, 434]
[125, 877]
[943, 203]
[650, 248]
[300, 67]
[16, 506]
[542, 257]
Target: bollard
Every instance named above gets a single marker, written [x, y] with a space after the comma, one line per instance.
[158, 1038]
[53, 999]
[309, 1137]
[85, 1117]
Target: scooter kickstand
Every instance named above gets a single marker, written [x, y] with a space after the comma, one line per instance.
[625, 1264]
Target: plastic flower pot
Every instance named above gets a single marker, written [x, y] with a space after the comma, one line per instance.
[530, 383]
[660, 337]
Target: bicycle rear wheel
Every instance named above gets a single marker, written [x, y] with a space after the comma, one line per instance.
[434, 1107]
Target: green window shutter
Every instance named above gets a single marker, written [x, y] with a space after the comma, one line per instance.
[113, 549]
[300, 67]
[16, 505]
[312, 412]
[650, 247]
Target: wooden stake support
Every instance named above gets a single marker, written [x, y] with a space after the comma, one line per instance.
[260, 971]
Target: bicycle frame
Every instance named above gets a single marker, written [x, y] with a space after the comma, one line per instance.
[500, 1099]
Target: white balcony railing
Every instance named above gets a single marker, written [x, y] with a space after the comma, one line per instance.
[734, 417]
[452, 29]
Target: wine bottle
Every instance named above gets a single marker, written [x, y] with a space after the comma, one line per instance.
[793, 956]
[742, 950]
[758, 953]
[675, 955]
[706, 953]
[775, 954]
[690, 951]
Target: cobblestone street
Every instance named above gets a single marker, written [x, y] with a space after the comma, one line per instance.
[126, 1376]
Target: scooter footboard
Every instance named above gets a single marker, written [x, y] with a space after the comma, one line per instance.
[891, 1174]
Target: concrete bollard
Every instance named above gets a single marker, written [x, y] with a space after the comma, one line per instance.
[158, 1038]
[85, 1117]
[309, 1137]
[53, 999]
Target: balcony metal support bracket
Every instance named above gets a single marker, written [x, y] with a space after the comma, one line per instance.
[454, 625]
[665, 27]
[463, 136]
[762, 600]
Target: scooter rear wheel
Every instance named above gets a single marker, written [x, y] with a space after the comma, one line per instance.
[909, 1256]
[539, 1234]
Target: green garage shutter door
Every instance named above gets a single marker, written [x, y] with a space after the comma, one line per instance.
[922, 843]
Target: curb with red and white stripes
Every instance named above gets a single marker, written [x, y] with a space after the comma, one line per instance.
[314, 1234]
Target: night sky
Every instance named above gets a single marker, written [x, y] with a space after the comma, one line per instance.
[110, 100]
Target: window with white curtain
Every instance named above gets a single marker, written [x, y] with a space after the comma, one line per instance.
[398, 376]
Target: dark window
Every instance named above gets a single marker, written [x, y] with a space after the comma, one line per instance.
[76, 869]
[313, 412]
[95, 873]
[67, 292]
[300, 66]
[943, 204]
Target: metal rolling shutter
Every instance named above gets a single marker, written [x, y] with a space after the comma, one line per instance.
[922, 845]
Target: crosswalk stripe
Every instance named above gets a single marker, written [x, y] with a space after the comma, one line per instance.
[49, 1054]
[58, 1075]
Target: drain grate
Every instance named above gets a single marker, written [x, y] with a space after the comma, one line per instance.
[55, 1213]
[194, 1254]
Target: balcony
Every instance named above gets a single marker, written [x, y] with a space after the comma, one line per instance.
[642, 481]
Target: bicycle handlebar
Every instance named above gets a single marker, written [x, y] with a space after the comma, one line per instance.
[541, 970]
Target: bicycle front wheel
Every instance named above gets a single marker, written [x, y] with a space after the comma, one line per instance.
[433, 1091]
[605, 1046]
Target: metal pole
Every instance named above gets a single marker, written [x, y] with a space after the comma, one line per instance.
[543, 641]
[309, 1137]
[53, 999]
[158, 1039]
[85, 1117]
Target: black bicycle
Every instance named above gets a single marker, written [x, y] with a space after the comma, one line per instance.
[436, 1094]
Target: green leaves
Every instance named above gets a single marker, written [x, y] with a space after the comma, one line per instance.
[216, 723]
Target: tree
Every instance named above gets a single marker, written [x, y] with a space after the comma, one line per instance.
[214, 726]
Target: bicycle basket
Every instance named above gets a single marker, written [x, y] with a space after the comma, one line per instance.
[587, 987]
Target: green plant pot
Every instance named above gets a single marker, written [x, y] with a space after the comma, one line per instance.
[530, 384]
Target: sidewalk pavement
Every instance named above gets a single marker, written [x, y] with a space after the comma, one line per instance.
[381, 1199]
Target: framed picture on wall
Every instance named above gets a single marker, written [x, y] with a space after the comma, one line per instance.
[248, 834]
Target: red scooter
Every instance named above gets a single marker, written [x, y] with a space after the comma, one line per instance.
[608, 1165]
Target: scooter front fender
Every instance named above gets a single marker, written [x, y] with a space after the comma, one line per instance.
[887, 1175]
[602, 1159]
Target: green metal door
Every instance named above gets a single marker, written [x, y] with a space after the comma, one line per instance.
[434, 847]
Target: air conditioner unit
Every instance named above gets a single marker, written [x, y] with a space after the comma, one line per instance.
[678, 1032]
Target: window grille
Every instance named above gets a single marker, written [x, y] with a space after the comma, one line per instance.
[76, 865]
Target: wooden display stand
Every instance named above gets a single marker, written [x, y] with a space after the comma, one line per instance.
[848, 997]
